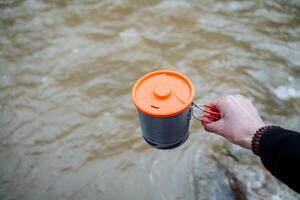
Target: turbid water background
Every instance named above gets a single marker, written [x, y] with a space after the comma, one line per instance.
[68, 129]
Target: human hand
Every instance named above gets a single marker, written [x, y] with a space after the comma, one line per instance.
[239, 120]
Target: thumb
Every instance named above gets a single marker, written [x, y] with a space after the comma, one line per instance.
[217, 103]
[214, 127]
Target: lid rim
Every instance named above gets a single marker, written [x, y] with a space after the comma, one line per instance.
[165, 116]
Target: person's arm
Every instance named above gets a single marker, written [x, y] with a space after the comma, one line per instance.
[278, 148]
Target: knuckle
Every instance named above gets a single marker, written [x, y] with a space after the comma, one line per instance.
[230, 138]
[206, 129]
[229, 97]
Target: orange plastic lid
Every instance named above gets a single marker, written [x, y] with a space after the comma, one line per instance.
[163, 93]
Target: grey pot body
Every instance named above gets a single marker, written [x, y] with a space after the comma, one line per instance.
[166, 133]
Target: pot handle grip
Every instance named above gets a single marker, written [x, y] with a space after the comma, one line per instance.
[211, 113]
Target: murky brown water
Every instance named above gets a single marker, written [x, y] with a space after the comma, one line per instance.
[68, 127]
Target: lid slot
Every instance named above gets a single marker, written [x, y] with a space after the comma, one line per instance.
[156, 107]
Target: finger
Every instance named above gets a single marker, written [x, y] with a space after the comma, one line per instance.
[216, 104]
[215, 114]
[211, 107]
[206, 121]
[214, 127]
[210, 117]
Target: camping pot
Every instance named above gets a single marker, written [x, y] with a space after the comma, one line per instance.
[164, 103]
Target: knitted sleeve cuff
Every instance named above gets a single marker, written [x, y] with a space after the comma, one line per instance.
[257, 137]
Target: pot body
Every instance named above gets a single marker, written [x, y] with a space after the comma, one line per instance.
[166, 133]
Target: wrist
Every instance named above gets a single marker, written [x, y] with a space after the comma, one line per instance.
[250, 132]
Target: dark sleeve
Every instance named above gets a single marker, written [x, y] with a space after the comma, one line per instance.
[279, 150]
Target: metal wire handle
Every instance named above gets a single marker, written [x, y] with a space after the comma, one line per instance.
[192, 112]
[211, 113]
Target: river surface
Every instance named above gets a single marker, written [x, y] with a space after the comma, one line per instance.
[68, 129]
